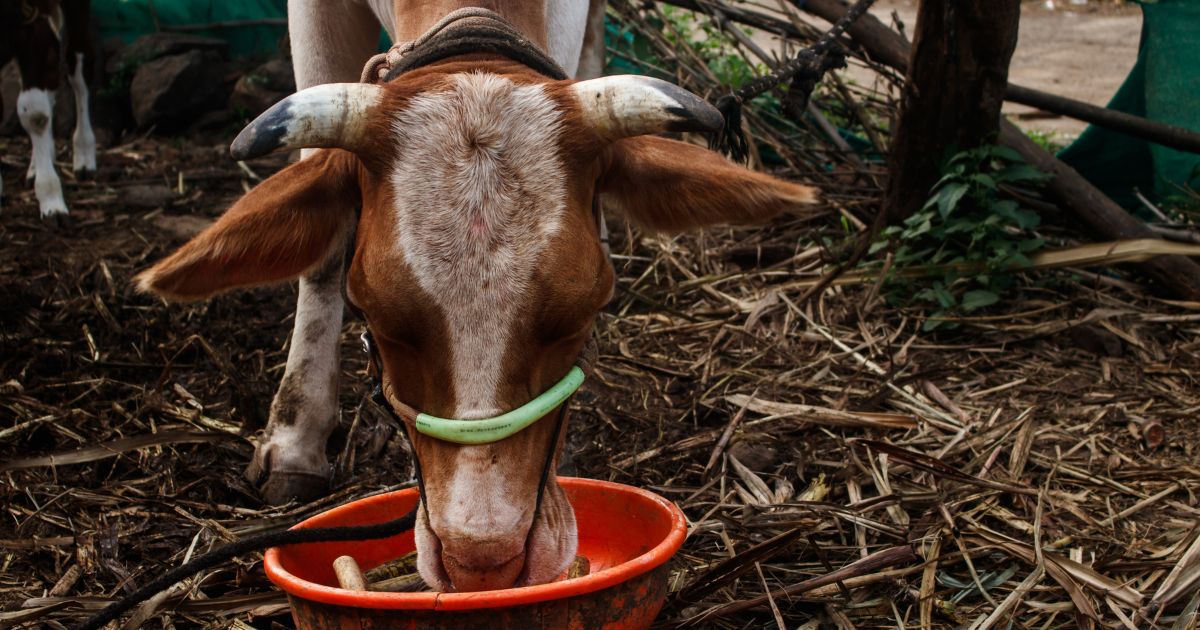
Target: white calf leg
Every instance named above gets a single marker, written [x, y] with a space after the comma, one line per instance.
[35, 108]
[305, 410]
[85, 139]
[330, 43]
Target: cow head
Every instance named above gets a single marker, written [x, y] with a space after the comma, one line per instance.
[477, 261]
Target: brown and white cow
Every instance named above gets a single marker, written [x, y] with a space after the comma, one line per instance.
[477, 261]
[33, 31]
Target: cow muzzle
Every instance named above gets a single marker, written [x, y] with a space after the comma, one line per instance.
[480, 551]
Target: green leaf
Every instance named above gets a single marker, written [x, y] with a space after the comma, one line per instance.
[945, 298]
[1030, 245]
[984, 180]
[949, 197]
[1006, 153]
[1021, 173]
[1027, 219]
[978, 299]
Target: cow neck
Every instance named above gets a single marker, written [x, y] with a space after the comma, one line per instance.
[463, 32]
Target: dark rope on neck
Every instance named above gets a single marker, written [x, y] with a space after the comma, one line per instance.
[246, 545]
[809, 65]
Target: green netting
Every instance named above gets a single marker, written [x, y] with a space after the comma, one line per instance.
[130, 19]
[1164, 85]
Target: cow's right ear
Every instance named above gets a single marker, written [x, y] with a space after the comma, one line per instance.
[285, 226]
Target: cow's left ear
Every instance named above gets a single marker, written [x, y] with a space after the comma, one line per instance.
[671, 186]
[285, 226]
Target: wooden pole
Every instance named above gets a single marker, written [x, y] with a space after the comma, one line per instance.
[951, 102]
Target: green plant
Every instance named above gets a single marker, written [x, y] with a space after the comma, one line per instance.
[1184, 199]
[968, 236]
[1047, 140]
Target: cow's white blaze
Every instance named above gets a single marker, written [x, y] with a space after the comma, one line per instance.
[35, 108]
[478, 188]
[479, 193]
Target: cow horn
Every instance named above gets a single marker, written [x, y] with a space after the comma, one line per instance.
[333, 115]
[629, 105]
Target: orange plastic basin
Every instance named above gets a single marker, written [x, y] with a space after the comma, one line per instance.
[626, 533]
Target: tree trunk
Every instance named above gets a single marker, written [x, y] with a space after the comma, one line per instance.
[951, 102]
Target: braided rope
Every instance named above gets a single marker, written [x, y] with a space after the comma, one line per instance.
[809, 64]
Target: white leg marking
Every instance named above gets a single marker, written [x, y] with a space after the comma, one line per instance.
[84, 139]
[384, 11]
[566, 21]
[305, 409]
[331, 40]
[35, 108]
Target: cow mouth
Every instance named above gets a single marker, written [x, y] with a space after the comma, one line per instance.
[466, 578]
[448, 574]
[536, 562]
[442, 571]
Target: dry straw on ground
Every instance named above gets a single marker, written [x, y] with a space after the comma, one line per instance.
[1035, 468]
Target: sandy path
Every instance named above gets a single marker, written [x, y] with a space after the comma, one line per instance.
[1081, 52]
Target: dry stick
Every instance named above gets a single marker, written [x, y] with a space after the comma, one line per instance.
[871, 564]
[726, 435]
[731, 569]
[1033, 579]
[1139, 506]
[929, 582]
[1156, 132]
[184, 28]
[349, 576]
[933, 416]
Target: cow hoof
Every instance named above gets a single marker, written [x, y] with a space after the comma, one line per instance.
[84, 174]
[281, 487]
[60, 220]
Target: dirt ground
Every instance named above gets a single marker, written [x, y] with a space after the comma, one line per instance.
[1034, 468]
[1066, 413]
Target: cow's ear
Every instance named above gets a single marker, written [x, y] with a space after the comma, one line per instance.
[286, 225]
[671, 186]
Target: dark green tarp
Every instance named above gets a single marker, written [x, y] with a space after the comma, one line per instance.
[130, 19]
[1164, 85]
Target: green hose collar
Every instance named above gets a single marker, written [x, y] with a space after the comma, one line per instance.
[506, 425]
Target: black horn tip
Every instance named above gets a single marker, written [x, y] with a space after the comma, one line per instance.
[691, 113]
[264, 134]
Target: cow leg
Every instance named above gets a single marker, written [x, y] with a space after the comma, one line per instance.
[591, 57]
[291, 454]
[79, 59]
[35, 108]
[38, 59]
[330, 43]
[84, 140]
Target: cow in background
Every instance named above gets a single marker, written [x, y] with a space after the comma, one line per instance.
[38, 33]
